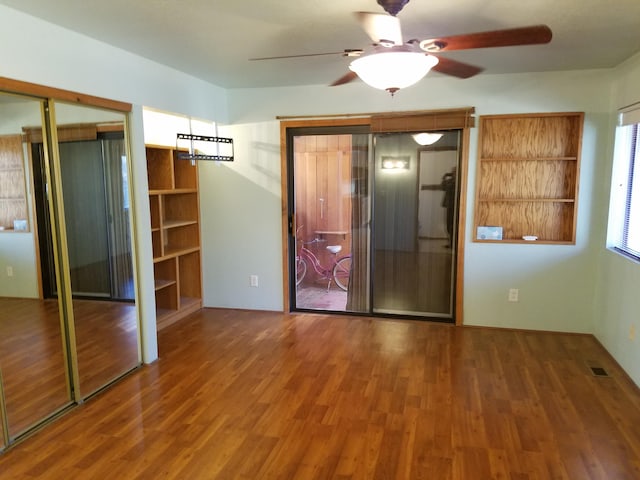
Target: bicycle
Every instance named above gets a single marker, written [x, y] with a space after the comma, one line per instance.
[338, 272]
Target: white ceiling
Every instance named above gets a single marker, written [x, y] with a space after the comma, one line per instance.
[214, 39]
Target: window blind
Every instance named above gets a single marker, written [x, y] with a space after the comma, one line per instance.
[450, 119]
[629, 115]
[630, 239]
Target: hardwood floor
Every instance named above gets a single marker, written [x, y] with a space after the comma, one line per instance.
[33, 362]
[107, 339]
[255, 395]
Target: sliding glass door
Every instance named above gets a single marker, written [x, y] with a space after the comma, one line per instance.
[415, 204]
[373, 220]
[330, 210]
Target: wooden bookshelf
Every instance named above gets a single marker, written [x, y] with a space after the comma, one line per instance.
[528, 174]
[175, 233]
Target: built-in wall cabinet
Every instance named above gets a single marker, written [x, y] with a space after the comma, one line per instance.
[528, 173]
[175, 232]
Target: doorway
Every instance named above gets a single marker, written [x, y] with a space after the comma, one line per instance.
[373, 222]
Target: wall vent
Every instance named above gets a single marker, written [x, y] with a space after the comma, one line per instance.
[599, 372]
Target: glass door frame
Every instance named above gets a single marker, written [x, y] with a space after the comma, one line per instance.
[323, 260]
[402, 252]
[461, 120]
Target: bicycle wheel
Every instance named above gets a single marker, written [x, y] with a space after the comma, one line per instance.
[301, 270]
[341, 272]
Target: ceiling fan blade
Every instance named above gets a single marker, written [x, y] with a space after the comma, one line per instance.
[532, 35]
[346, 78]
[455, 68]
[382, 28]
[346, 53]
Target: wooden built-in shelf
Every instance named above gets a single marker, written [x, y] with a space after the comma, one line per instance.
[13, 199]
[176, 252]
[528, 173]
[160, 284]
[175, 234]
[560, 200]
[178, 223]
[174, 191]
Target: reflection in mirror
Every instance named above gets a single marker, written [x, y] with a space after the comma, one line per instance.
[32, 357]
[93, 166]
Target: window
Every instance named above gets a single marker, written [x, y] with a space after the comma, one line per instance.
[624, 215]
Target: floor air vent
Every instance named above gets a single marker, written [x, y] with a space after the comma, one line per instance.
[599, 372]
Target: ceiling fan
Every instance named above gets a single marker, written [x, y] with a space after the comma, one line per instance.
[392, 63]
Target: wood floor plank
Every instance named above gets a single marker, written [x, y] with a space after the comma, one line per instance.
[263, 395]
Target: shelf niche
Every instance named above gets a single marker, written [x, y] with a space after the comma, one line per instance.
[528, 174]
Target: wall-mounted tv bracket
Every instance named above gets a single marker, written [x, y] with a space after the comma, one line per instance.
[195, 153]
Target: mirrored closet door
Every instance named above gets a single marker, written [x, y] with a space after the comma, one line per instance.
[68, 313]
[33, 355]
[93, 167]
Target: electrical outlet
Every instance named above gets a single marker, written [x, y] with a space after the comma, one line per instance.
[253, 280]
[514, 293]
[632, 332]
[9, 271]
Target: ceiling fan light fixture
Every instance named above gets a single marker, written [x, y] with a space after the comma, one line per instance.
[426, 138]
[393, 70]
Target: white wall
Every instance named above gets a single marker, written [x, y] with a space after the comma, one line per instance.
[619, 277]
[241, 222]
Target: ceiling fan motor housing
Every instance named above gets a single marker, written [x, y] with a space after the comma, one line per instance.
[392, 7]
